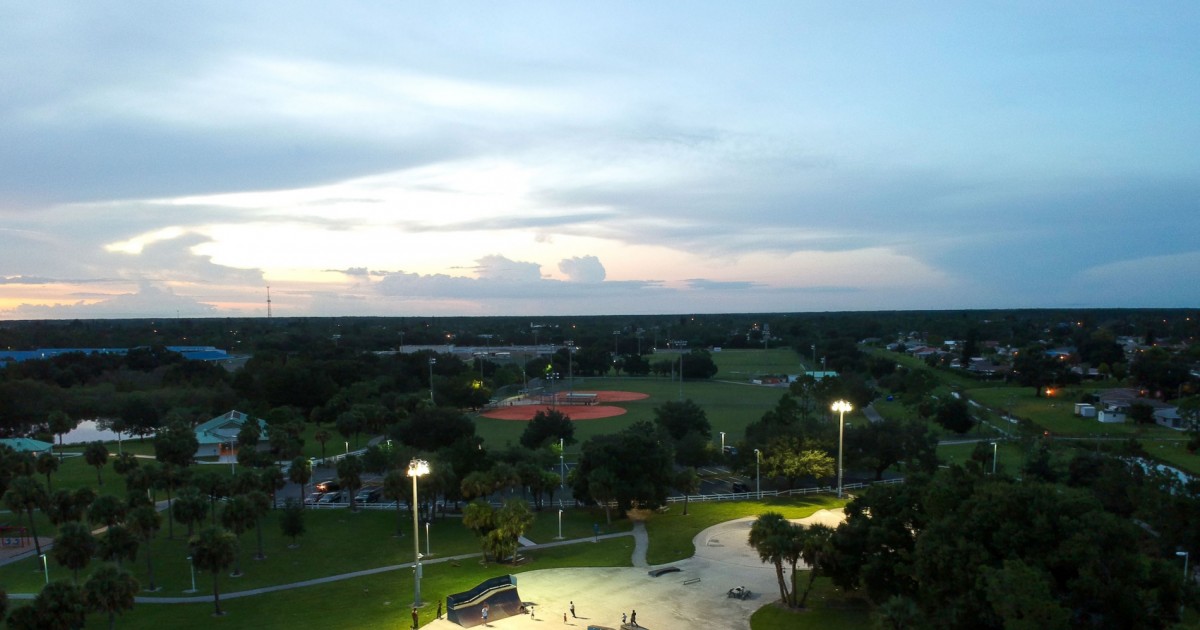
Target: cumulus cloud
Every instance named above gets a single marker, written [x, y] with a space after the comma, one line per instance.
[499, 268]
[582, 269]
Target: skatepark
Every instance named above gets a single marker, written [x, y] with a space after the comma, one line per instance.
[694, 596]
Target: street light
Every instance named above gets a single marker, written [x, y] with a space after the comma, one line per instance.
[1181, 554]
[993, 458]
[45, 568]
[841, 407]
[758, 473]
[347, 448]
[416, 468]
[427, 551]
[722, 443]
[192, 566]
[560, 536]
[432, 362]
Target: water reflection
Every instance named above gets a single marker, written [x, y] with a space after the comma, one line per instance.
[90, 431]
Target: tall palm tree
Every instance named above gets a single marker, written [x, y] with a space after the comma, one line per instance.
[110, 590]
[349, 472]
[770, 535]
[816, 544]
[25, 494]
[213, 550]
[322, 436]
[47, 464]
[74, 547]
[96, 454]
[300, 473]
[145, 522]
[190, 508]
[237, 517]
[118, 544]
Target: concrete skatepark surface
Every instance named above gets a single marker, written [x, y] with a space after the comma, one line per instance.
[723, 560]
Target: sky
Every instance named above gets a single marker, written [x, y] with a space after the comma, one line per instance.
[511, 158]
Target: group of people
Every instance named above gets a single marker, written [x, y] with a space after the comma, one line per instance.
[631, 619]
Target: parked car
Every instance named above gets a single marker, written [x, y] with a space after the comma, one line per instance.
[327, 486]
[331, 497]
[740, 487]
[369, 494]
[313, 497]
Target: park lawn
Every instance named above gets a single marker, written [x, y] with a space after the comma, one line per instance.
[828, 607]
[1056, 414]
[671, 533]
[337, 541]
[375, 601]
[1010, 455]
[743, 365]
[74, 472]
[729, 407]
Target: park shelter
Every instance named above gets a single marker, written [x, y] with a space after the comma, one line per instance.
[27, 445]
[218, 437]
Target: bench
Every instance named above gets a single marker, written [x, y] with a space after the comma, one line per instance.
[662, 571]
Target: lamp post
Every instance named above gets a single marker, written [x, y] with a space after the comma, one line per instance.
[560, 536]
[570, 370]
[427, 551]
[192, 567]
[1181, 554]
[758, 473]
[347, 448]
[432, 362]
[416, 468]
[46, 568]
[722, 443]
[562, 465]
[994, 458]
[841, 407]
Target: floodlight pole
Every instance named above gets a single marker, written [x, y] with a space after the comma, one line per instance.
[416, 468]
[841, 407]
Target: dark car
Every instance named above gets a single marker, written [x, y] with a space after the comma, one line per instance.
[740, 487]
[326, 486]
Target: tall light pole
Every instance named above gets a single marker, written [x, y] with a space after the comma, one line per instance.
[562, 465]
[432, 362]
[46, 568]
[416, 468]
[570, 370]
[560, 536]
[994, 451]
[192, 566]
[841, 407]
[758, 473]
[427, 551]
[1181, 554]
[722, 443]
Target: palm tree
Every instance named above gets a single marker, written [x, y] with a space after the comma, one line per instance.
[117, 544]
[213, 550]
[349, 471]
[816, 541]
[58, 607]
[770, 535]
[74, 547]
[62, 506]
[96, 455]
[237, 517]
[300, 473]
[292, 521]
[395, 486]
[25, 494]
[145, 522]
[687, 482]
[107, 510]
[260, 504]
[476, 484]
[47, 464]
[322, 436]
[110, 590]
[190, 508]
[60, 423]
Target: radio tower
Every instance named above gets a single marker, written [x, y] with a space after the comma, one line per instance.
[268, 301]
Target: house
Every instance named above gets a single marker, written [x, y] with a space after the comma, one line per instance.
[218, 436]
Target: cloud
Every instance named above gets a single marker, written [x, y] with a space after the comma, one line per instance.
[582, 269]
[149, 301]
[498, 268]
[717, 285]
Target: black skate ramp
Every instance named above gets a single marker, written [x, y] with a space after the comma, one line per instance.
[499, 594]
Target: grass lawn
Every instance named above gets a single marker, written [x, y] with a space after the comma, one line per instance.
[671, 533]
[729, 406]
[743, 365]
[827, 608]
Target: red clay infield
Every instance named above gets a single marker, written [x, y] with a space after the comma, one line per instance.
[525, 412]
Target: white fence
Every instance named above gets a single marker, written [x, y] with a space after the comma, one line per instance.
[742, 496]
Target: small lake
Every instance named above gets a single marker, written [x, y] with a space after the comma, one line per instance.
[89, 431]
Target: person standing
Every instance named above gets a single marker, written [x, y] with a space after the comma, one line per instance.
[573, 611]
[415, 617]
[484, 612]
[633, 619]
[624, 618]
[439, 615]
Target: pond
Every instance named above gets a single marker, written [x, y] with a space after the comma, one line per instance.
[90, 431]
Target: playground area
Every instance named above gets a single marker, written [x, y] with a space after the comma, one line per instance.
[579, 405]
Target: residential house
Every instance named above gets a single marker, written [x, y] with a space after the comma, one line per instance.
[218, 437]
